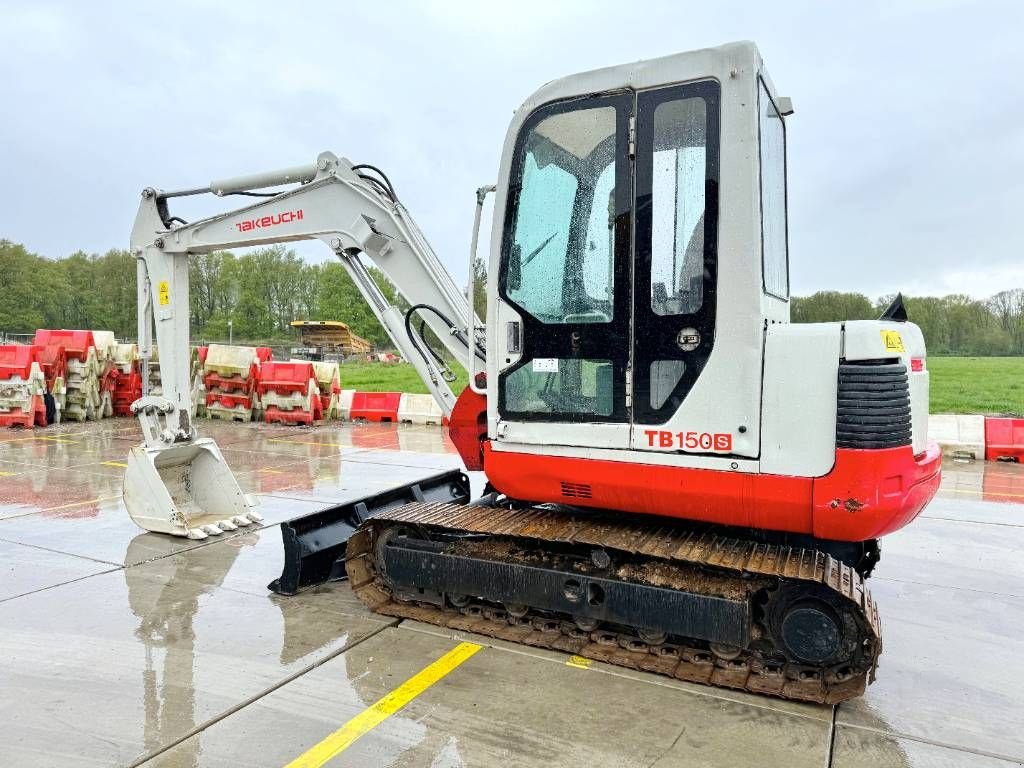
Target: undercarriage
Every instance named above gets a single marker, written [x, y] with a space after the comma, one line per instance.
[788, 621]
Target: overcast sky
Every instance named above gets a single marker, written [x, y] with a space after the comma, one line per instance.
[906, 151]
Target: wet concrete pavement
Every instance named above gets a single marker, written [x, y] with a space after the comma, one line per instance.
[119, 647]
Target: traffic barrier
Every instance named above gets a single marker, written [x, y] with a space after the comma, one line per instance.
[79, 397]
[229, 376]
[289, 393]
[218, 410]
[328, 379]
[958, 435]
[419, 409]
[76, 343]
[345, 404]
[127, 379]
[274, 414]
[284, 378]
[375, 406]
[1004, 439]
[22, 387]
[16, 360]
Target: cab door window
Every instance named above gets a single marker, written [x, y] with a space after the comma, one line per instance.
[565, 261]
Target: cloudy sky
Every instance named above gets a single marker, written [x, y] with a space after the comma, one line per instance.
[906, 149]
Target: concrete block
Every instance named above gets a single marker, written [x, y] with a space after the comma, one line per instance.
[958, 435]
[419, 409]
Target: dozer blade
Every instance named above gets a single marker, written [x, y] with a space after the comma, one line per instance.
[314, 544]
[185, 489]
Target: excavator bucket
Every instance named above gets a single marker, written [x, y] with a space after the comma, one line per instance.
[185, 490]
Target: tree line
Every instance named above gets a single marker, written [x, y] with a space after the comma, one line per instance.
[261, 291]
[952, 325]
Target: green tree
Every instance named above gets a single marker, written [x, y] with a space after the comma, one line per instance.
[831, 306]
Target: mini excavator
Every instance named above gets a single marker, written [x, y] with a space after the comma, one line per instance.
[678, 479]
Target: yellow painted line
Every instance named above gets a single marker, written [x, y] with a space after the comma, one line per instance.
[269, 471]
[373, 716]
[8, 474]
[113, 464]
[579, 662]
[33, 438]
[81, 503]
[303, 442]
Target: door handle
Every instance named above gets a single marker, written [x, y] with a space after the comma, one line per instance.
[515, 337]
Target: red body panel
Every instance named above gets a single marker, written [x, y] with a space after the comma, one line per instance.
[467, 428]
[1004, 439]
[868, 493]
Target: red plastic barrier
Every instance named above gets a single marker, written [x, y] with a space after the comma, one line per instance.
[19, 418]
[273, 414]
[264, 354]
[229, 399]
[284, 378]
[16, 360]
[375, 406]
[231, 383]
[203, 352]
[53, 362]
[76, 343]
[1004, 439]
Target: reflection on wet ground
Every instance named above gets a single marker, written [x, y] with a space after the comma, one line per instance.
[119, 647]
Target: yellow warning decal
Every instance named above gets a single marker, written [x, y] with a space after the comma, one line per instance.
[165, 293]
[893, 341]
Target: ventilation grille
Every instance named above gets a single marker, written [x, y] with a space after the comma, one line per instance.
[874, 405]
[576, 490]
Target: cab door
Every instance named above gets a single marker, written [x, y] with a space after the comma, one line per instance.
[564, 285]
[676, 256]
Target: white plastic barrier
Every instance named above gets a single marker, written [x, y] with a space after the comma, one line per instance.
[958, 435]
[419, 409]
[345, 404]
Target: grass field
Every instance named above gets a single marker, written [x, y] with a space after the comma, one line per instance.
[958, 384]
[977, 384]
[392, 377]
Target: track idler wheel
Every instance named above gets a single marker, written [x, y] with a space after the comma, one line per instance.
[813, 626]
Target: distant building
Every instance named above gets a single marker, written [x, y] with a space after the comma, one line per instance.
[322, 339]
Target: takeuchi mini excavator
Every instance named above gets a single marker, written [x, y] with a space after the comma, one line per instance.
[678, 479]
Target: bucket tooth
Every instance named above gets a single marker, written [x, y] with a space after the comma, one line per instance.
[254, 516]
[241, 520]
[227, 525]
[211, 529]
[197, 534]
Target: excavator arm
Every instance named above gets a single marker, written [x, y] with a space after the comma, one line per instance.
[354, 210]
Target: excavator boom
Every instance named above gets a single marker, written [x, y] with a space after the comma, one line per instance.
[178, 482]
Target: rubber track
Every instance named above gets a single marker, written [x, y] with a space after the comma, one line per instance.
[747, 672]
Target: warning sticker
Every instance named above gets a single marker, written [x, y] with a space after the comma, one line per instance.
[893, 341]
[164, 291]
[545, 365]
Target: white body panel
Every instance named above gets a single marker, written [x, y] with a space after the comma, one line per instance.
[798, 432]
